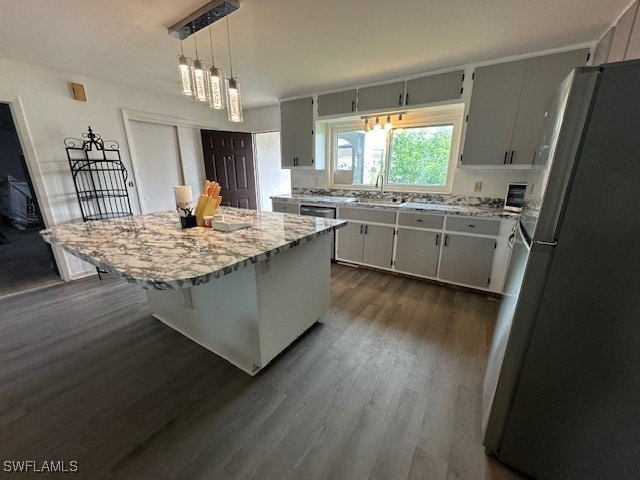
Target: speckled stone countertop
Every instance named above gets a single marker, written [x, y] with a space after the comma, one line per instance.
[315, 199]
[431, 207]
[153, 252]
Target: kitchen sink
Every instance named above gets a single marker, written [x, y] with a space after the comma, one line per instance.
[381, 201]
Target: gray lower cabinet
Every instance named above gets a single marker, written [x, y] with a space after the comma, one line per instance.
[284, 207]
[467, 259]
[364, 243]
[351, 242]
[417, 251]
[378, 245]
[338, 102]
[381, 97]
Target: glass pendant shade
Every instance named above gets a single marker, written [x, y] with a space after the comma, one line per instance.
[367, 127]
[200, 82]
[234, 100]
[377, 125]
[186, 80]
[216, 84]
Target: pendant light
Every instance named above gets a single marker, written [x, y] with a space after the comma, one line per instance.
[388, 125]
[234, 99]
[367, 127]
[377, 125]
[200, 87]
[216, 81]
[184, 68]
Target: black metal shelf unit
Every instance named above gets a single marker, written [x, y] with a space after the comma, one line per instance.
[99, 176]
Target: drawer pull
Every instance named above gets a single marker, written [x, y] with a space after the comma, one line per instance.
[419, 220]
[472, 225]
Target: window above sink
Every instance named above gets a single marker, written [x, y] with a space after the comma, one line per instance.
[418, 154]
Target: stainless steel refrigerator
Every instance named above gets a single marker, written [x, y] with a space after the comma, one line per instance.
[561, 395]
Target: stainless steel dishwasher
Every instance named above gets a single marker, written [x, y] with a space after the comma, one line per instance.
[324, 212]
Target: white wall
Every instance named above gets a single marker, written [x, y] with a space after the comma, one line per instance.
[46, 114]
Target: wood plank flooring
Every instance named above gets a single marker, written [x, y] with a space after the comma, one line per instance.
[386, 386]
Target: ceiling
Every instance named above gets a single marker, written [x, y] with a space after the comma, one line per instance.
[284, 48]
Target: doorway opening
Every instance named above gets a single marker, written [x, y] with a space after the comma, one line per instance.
[26, 261]
[272, 178]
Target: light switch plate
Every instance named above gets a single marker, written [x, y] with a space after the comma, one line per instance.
[477, 187]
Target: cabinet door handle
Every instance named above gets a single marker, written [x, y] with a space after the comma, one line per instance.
[361, 228]
[406, 99]
[353, 105]
[511, 237]
[446, 240]
[400, 100]
[437, 239]
[472, 225]
[366, 229]
[511, 160]
[504, 162]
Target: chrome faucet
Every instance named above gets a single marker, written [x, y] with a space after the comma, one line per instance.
[380, 180]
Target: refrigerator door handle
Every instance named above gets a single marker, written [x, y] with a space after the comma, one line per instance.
[547, 244]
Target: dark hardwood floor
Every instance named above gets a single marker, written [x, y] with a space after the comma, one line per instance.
[386, 386]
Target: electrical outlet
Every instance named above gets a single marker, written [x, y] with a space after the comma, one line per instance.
[477, 187]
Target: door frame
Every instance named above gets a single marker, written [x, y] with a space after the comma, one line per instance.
[37, 179]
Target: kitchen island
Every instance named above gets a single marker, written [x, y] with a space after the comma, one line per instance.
[244, 295]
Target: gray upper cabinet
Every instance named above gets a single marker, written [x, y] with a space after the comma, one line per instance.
[417, 251]
[601, 53]
[620, 40]
[492, 113]
[434, 88]
[338, 102]
[380, 97]
[296, 131]
[467, 259]
[508, 104]
[542, 77]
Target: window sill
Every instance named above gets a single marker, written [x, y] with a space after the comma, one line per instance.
[395, 189]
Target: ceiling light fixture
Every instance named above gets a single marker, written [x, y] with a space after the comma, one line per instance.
[200, 80]
[203, 82]
[367, 127]
[184, 67]
[216, 81]
[388, 125]
[377, 125]
[234, 98]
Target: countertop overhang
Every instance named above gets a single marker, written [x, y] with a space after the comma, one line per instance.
[153, 252]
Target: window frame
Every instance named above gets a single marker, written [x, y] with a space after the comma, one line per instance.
[453, 115]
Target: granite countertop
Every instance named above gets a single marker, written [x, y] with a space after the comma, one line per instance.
[315, 199]
[439, 208]
[153, 252]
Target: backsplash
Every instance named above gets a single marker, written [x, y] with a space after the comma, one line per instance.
[413, 197]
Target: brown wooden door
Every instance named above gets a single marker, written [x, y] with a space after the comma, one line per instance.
[228, 160]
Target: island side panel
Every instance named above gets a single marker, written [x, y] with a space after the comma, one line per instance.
[293, 293]
[224, 317]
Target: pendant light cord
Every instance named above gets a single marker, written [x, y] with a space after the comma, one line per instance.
[181, 49]
[195, 42]
[229, 43]
[213, 64]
